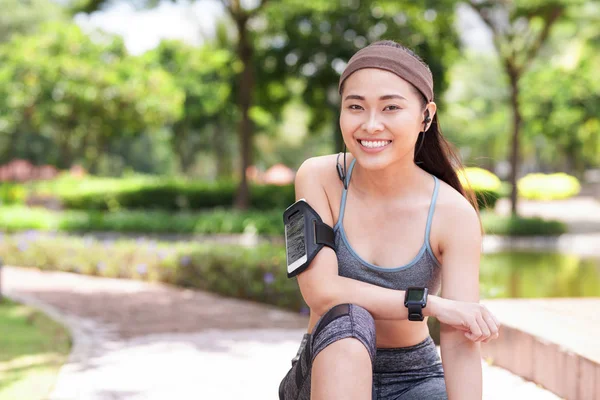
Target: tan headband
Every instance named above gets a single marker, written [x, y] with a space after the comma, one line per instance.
[395, 60]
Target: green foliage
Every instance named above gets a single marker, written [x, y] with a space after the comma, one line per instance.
[216, 221]
[158, 193]
[11, 193]
[249, 273]
[32, 349]
[26, 16]
[312, 40]
[548, 186]
[484, 183]
[52, 82]
[205, 74]
[518, 226]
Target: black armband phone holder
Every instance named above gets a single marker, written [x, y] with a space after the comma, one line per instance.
[305, 236]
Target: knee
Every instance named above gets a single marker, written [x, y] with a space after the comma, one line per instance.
[345, 321]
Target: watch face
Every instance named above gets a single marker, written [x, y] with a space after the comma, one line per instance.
[415, 294]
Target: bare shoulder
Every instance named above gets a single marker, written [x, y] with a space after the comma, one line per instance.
[457, 216]
[315, 181]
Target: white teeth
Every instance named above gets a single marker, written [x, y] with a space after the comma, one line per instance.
[374, 144]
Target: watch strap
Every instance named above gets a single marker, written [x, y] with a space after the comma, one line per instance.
[415, 312]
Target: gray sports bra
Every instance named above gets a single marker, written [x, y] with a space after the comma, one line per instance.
[423, 271]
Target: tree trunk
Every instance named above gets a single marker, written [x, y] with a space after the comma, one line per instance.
[221, 150]
[516, 127]
[244, 100]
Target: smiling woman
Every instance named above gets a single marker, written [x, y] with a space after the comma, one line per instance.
[404, 228]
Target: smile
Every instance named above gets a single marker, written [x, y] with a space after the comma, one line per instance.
[374, 144]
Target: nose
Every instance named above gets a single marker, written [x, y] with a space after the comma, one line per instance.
[372, 124]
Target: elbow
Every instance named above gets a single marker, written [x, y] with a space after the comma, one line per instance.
[321, 299]
[324, 300]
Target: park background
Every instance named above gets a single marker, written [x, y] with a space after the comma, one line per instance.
[158, 141]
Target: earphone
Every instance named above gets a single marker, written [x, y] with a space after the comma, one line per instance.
[342, 173]
[427, 118]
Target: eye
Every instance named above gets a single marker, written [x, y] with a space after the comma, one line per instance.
[394, 107]
[351, 107]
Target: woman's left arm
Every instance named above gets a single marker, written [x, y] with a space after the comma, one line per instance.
[460, 247]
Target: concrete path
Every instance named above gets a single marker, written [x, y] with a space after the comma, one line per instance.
[135, 340]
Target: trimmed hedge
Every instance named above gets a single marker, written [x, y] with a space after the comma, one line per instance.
[517, 226]
[216, 221]
[157, 193]
[172, 194]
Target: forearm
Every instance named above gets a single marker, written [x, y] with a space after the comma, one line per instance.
[462, 372]
[382, 303]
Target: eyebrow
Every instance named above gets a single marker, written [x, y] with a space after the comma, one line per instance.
[385, 97]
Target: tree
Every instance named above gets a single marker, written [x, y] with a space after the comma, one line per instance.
[204, 74]
[314, 40]
[25, 16]
[519, 30]
[51, 82]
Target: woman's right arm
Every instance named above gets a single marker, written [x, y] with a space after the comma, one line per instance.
[320, 284]
[322, 287]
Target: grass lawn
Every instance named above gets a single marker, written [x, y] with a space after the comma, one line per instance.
[32, 349]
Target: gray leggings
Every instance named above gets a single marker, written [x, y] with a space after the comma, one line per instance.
[403, 373]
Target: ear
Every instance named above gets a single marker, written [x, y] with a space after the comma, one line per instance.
[428, 114]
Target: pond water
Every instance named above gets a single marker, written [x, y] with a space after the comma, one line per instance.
[533, 274]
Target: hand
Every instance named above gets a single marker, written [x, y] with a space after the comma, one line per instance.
[478, 323]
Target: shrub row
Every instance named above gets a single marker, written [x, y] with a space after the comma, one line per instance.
[157, 193]
[142, 192]
[216, 221]
[256, 274]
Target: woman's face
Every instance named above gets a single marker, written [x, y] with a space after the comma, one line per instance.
[381, 117]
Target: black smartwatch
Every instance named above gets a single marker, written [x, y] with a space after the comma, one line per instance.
[415, 299]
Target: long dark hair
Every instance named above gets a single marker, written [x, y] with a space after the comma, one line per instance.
[434, 153]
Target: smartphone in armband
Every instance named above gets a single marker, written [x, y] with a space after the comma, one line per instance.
[305, 236]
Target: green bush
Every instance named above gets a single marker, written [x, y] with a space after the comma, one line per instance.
[548, 186]
[215, 221]
[517, 226]
[12, 193]
[485, 184]
[256, 274]
[142, 192]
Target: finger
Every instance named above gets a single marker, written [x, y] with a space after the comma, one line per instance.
[485, 330]
[475, 330]
[493, 323]
[494, 330]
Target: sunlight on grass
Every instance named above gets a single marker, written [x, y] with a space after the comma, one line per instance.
[32, 349]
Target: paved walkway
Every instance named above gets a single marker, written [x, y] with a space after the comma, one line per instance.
[135, 340]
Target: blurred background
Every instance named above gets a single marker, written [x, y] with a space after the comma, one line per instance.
[158, 140]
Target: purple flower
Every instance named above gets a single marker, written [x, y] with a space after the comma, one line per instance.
[141, 269]
[304, 311]
[269, 278]
[185, 260]
[22, 246]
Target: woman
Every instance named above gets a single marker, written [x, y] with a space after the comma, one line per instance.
[401, 219]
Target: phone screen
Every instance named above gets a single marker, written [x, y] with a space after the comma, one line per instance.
[295, 241]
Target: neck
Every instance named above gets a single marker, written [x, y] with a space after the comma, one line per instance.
[391, 182]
